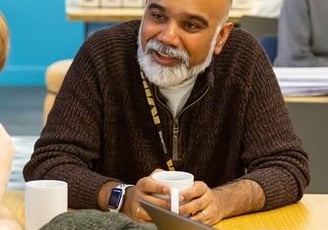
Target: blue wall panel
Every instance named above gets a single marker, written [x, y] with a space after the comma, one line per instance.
[39, 35]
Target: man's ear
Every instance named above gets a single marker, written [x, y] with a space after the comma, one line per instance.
[223, 37]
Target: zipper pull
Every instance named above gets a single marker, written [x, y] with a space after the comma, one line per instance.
[175, 156]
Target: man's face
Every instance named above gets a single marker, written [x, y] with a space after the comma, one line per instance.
[186, 24]
[180, 35]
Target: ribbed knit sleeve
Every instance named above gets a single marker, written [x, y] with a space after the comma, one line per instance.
[272, 153]
[72, 141]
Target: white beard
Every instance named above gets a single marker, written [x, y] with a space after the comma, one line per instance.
[168, 76]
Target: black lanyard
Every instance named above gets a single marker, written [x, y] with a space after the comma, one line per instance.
[156, 120]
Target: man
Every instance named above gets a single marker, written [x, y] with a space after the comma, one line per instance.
[303, 34]
[216, 112]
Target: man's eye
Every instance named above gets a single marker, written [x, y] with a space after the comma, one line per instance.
[191, 27]
[157, 17]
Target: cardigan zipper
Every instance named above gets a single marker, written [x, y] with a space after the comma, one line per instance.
[176, 130]
[175, 144]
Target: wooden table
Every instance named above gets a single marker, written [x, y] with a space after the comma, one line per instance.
[308, 214]
[305, 99]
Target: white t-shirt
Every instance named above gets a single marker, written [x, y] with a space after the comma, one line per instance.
[177, 96]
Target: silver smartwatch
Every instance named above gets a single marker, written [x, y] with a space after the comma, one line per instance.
[116, 197]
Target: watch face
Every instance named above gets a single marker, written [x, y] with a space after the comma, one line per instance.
[115, 198]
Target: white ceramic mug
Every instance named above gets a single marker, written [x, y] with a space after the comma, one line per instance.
[177, 181]
[44, 199]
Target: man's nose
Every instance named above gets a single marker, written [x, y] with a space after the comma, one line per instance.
[170, 35]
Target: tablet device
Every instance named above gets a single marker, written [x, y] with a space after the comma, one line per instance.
[167, 220]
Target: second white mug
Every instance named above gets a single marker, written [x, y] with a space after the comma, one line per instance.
[44, 199]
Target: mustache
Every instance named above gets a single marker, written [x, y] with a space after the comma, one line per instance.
[155, 45]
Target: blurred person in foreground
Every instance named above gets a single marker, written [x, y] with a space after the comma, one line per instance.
[180, 90]
[303, 34]
[7, 220]
[4, 41]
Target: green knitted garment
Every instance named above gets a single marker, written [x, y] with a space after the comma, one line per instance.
[91, 219]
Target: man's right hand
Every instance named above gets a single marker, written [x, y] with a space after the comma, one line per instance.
[144, 189]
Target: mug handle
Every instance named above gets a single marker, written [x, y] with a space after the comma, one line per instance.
[175, 200]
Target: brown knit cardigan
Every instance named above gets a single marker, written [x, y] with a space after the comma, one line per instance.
[235, 123]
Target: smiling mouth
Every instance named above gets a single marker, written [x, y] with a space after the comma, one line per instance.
[163, 54]
[164, 59]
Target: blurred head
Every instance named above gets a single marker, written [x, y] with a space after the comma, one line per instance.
[178, 38]
[4, 37]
